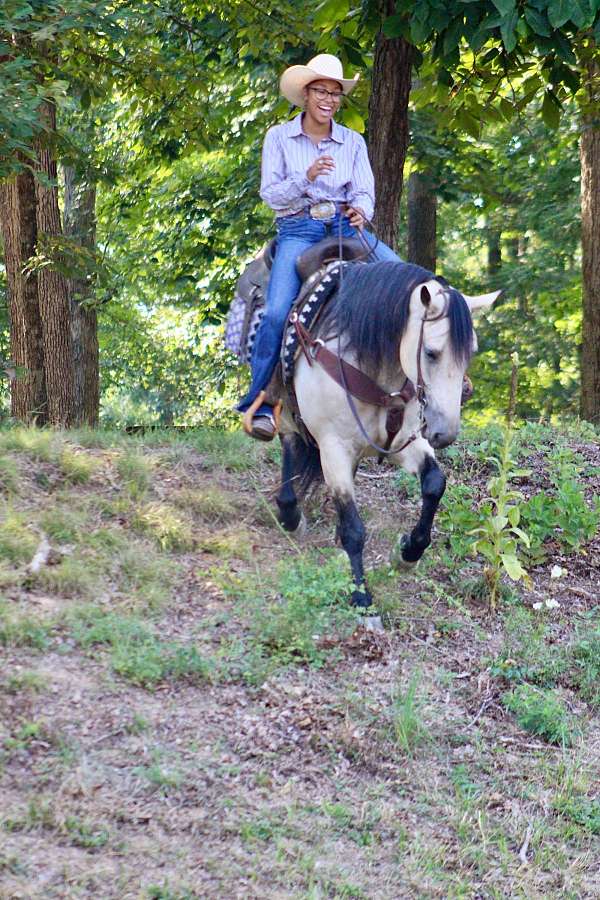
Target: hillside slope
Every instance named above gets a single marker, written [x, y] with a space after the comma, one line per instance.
[189, 709]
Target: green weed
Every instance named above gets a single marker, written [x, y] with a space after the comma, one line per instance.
[159, 777]
[18, 542]
[77, 468]
[136, 473]
[24, 681]
[168, 528]
[230, 449]
[541, 712]
[581, 810]
[407, 724]
[18, 630]
[311, 603]
[136, 653]
[67, 524]
[85, 834]
[42, 444]
[529, 654]
[210, 504]
[9, 475]
[227, 544]
[74, 576]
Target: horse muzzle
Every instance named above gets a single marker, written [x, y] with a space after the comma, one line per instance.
[438, 430]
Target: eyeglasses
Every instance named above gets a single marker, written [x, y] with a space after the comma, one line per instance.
[322, 94]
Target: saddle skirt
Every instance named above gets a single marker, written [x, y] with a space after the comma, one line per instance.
[247, 308]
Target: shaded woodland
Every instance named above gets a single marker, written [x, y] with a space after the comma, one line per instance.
[130, 139]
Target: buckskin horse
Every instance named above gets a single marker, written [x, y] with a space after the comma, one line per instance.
[382, 373]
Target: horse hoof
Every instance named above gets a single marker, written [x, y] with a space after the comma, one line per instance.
[397, 559]
[300, 530]
[360, 600]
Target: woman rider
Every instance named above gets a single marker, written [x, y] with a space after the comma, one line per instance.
[316, 176]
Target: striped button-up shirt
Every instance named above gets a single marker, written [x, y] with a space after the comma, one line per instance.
[287, 154]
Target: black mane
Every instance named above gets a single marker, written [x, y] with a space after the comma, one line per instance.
[371, 312]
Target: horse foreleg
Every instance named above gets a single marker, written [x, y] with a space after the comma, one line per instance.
[433, 483]
[351, 532]
[290, 515]
[338, 469]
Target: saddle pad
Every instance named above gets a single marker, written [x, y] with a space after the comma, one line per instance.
[242, 323]
[308, 306]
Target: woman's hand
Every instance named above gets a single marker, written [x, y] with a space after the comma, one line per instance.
[356, 217]
[323, 165]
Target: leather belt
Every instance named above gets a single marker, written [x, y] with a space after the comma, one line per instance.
[313, 211]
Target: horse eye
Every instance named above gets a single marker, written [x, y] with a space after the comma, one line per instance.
[432, 355]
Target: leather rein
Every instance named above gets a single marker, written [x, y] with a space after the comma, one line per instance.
[359, 386]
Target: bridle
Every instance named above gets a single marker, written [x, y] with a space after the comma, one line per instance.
[418, 391]
[358, 385]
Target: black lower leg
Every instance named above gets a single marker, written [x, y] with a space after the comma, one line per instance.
[289, 512]
[433, 485]
[351, 533]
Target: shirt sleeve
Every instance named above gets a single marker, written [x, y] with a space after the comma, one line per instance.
[361, 190]
[277, 190]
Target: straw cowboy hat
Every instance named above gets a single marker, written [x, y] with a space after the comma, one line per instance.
[296, 78]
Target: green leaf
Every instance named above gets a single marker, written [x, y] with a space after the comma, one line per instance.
[581, 14]
[514, 515]
[504, 7]
[331, 12]
[521, 534]
[507, 30]
[499, 523]
[352, 119]
[537, 21]
[513, 567]
[420, 30]
[550, 111]
[467, 122]
[452, 36]
[559, 12]
[394, 26]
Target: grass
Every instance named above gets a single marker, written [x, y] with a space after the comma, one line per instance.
[136, 653]
[542, 712]
[171, 530]
[408, 728]
[18, 541]
[215, 688]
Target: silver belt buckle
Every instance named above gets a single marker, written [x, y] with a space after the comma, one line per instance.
[323, 211]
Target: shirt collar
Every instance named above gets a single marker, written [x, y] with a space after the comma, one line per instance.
[295, 129]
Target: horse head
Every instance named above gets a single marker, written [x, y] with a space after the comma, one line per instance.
[435, 350]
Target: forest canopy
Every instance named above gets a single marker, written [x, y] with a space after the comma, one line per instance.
[130, 140]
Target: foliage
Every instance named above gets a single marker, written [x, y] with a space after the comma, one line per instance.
[500, 537]
[408, 728]
[311, 607]
[136, 653]
[541, 712]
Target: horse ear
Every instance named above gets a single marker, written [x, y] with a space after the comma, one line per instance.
[483, 301]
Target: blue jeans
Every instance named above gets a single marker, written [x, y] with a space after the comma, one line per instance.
[294, 235]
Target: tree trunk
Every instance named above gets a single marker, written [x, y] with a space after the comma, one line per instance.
[388, 125]
[422, 212]
[590, 248]
[494, 250]
[80, 224]
[19, 232]
[53, 289]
